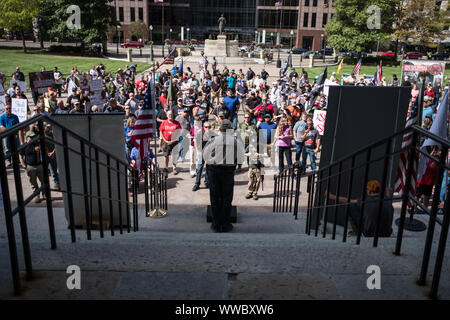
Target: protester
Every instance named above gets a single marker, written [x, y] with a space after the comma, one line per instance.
[170, 132]
[30, 159]
[311, 144]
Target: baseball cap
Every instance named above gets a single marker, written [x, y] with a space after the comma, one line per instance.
[267, 115]
[373, 186]
[226, 124]
[221, 114]
[186, 109]
[30, 133]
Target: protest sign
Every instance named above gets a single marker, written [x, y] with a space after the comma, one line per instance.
[19, 108]
[2, 104]
[433, 71]
[319, 120]
[22, 85]
[326, 86]
[41, 81]
[96, 85]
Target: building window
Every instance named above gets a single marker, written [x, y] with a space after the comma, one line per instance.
[324, 20]
[306, 3]
[141, 14]
[313, 20]
[132, 15]
[305, 20]
[314, 3]
[121, 14]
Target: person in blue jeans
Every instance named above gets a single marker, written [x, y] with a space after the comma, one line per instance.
[299, 127]
[201, 140]
[311, 144]
[232, 103]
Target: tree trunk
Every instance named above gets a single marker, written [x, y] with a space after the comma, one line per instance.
[41, 40]
[23, 41]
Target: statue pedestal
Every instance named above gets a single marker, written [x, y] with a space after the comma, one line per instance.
[221, 47]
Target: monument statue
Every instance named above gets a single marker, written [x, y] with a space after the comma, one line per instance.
[222, 22]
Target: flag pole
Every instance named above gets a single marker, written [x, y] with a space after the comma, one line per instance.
[157, 212]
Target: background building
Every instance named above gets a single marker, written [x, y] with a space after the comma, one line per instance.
[300, 22]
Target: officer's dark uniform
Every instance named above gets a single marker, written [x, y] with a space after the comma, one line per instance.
[221, 155]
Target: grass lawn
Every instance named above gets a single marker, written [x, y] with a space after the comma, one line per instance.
[368, 70]
[34, 60]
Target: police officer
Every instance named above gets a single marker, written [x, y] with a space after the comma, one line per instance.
[221, 155]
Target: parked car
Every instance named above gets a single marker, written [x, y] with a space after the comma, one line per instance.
[440, 56]
[328, 51]
[412, 55]
[317, 54]
[299, 50]
[355, 54]
[389, 53]
[243, 49]
[132, 44]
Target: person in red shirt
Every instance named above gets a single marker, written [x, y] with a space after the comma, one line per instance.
[141, 83]
[163, 98]
[426, 183]
[261, 110]
[170, 130]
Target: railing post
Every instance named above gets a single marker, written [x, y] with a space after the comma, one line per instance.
[87, 208]
[68, 185]
[285, 190]
[364, 192]
[135, 200]
[441, 248]
[382, 192]
[313, 190]
[432, 221]
[405, 195]
[274, 192]
[111, 215]
[48, 196]
[338, 189]
[318, 196]
[21, 205]
[297, 193]
[120, 196]
[99, 194]
[146, 197]
[349, 194]
[127, 195]
[10, 227]
[325, 217]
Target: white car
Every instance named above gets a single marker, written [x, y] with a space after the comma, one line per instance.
[243, 49]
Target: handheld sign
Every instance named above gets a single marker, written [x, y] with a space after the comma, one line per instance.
[19, 108]
[319, 120]
[2, 104]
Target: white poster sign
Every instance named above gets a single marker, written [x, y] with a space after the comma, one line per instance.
[19, 108]
[22, 85]
[326, 86]
[319, 120]
[2, 104]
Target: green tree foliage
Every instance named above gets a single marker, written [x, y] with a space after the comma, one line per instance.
[420, 21]
[96, 18]
[138, 29]
[17, 15]
[348, 29]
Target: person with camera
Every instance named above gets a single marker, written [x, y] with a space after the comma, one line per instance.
[311, 144]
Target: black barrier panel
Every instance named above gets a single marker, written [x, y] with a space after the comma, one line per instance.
[357, 117]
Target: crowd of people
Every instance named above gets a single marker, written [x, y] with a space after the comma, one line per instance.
[190, 107]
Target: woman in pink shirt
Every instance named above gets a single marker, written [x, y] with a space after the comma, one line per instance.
[414, 92]
[284, 136]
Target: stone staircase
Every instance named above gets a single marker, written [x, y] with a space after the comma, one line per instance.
[267, 256]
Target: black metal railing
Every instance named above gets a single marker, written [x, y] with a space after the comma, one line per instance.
[155, 184]
[321, 209]
[127, 180]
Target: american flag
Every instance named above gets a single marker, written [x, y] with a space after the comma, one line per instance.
[170, 59]
[404, 157]
[357, 68]
[279, 3]
[144, 126]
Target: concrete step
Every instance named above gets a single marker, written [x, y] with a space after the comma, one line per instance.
[267, 256]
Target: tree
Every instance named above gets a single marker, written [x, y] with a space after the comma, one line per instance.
[138, 29]
[46, 20]
[420, 21]
[350, 27]
[17, 15]
[96, 18]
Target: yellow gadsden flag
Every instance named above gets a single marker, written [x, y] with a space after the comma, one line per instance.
[341, 64]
